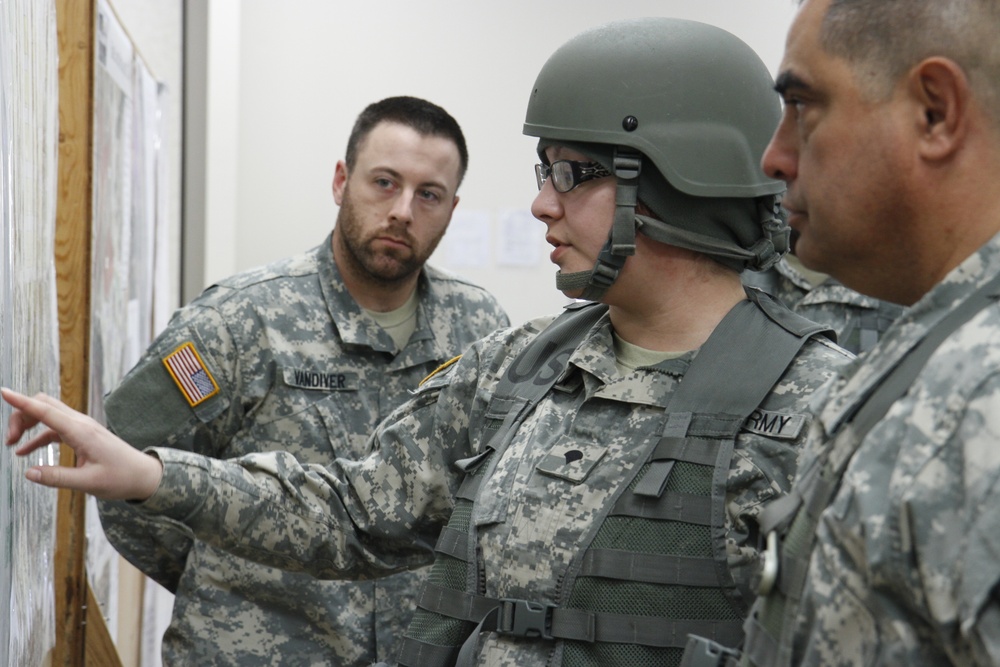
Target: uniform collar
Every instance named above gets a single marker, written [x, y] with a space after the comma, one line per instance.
[357, 328]
[593, 361]
[860, 377]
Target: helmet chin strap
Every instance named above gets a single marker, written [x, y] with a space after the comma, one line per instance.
[621, 241]
[760, 256]
[596, 281]
[570, 282]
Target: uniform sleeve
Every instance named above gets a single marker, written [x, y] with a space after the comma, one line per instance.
[976, 565]
[155, 545]
[347, 519]
[983, 625]
[178, 395]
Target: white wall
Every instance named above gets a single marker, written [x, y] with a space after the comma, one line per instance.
[308, 67]
[223, 113]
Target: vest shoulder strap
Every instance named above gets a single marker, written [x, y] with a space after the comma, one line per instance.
[549, 352]
[749, 352]
[527, 380]
[785, 317]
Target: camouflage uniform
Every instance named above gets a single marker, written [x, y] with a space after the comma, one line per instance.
[906, 564]
[858, 320]
[298, 368]
[536, 509]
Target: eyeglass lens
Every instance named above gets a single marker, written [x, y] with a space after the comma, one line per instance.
[567, 174]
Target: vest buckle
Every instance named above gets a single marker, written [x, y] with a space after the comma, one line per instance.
[522, 618]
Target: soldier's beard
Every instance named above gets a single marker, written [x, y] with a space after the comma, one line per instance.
[386, 266]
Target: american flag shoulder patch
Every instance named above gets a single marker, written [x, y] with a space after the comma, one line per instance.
[189, 372]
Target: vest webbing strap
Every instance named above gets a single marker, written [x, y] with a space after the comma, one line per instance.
[453, 543]
[469, 487]
[818, 489]
[681, 449]
[673, 506]
[671, 449]
[576, 624]
[418, 653]
[455, 603]
[648, 568]
[528, 619]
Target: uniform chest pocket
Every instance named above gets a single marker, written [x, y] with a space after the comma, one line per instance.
[517, 478]
[296, 390]
[571, 460]
[304, 412]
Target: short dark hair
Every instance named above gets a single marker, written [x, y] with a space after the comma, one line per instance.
[426, 118]
[883, 39]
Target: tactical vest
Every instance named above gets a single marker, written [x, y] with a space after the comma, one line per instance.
[790, 522]
[861, 332]
[656, 569]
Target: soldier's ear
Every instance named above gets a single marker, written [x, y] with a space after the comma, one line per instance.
[339, 181]
[941, 95]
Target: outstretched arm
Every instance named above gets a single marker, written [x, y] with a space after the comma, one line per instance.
[106, 466]
[345, 519]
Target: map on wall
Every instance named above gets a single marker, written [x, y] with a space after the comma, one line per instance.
[126, 217]
[29, 329]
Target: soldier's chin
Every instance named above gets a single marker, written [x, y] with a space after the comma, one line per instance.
[391, 272]
[572, 293]
[810, 255]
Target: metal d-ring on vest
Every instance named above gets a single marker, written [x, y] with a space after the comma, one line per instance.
[751, 347]
[791, 521]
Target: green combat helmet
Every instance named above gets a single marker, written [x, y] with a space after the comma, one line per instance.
[680, 112]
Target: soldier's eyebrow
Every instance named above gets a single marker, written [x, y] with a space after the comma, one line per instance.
[398, 176]
[789, 80]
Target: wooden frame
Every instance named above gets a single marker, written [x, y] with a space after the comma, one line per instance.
[82, 637]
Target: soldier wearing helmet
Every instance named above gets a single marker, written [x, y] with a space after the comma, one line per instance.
[587, 484]
[673, 110]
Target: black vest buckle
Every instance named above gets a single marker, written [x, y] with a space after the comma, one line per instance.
[522, 618]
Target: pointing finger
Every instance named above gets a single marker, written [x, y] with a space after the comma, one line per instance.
[31, 411]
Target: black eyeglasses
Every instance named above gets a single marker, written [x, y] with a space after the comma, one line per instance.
[567, 174]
